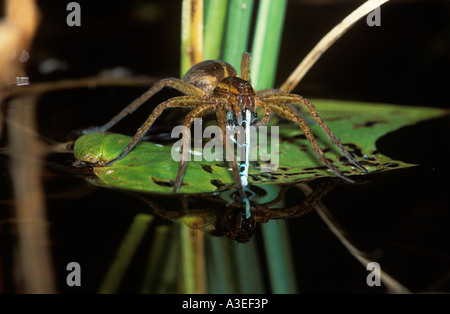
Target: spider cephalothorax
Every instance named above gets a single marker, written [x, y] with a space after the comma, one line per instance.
[213, 86]
[234, 224]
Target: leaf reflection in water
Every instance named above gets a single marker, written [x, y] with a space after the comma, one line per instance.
[224, 214]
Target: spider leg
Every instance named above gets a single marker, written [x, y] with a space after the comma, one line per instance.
[267, 92]
[307, 205]
[280, 98]
[182, 101]
[199, 111]
[261, 103]
[178, 84]
[270, 92]
[221, 115]
[291, 115]
[245, 66]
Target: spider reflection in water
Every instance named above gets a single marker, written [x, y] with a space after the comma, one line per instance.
[232, 221]
[214, 86]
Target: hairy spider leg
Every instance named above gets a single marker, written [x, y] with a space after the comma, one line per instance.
[261, 103]
[201, 110]
[291, 115]
[270, 91]
[182, 101]
[307, 205]
[178, 84]
[280, 97]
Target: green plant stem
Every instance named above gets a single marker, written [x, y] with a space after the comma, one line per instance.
[157, 259]
[170, 273]
[191, 34]
[219, 266]
[279, 259]
[266, 43]
[125, 253]
[265, 50]
[185, 59]
[237, 31]
[192, 254]
[187, 260]
[215, 18]
[249, 274]
[192, 240]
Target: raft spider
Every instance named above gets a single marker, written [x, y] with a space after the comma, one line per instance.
[214, 86]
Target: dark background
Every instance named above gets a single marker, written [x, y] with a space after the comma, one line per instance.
[401, 218]
[405, 61]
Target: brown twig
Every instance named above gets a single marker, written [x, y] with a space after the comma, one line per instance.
[326, 42]
[33, 266]
[88, 82]
[393, 285]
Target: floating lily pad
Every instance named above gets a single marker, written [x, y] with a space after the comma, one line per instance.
[150, 167]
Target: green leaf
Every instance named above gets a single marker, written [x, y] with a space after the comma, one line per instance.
[150, 167]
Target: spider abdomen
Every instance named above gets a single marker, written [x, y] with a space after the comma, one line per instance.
[207, 74]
